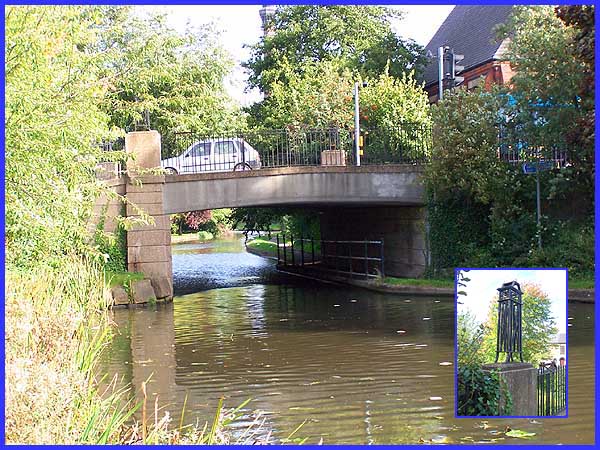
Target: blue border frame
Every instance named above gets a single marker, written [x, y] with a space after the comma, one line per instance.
[472, 269]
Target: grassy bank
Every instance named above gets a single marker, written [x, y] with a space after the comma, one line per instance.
[431, 282]
[55, 330]
[263, 245]
[201, 236]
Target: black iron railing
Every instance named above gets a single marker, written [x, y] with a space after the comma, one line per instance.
[551, 389]
[109, 168]
[406, 143]
[356, 259]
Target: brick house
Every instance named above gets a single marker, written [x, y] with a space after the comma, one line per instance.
[471, 31]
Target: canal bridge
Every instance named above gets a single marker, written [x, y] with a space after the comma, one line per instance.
[381, 198]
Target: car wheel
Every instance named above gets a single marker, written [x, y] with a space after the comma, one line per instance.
[242, 166]
[170, 171]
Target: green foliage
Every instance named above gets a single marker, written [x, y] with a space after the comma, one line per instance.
[482, 210]
[469, 335]
[205, 236]
[255, 219]
[301, 223]
[481, 393]
[294, 222]
[539, 326]
[53, 120]
[177, 77]
[319, 97]
[113, 248]
[389, 101]
[359, 38]
[553, 64]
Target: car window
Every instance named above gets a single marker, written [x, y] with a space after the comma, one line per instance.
[224, 147]
[200, 149]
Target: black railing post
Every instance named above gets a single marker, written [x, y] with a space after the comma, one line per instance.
[278, 259]
[293, 256]
[350, 257]
[284, 251]
[336, 257]
[366, 260]
[382, 260]
[302, 251]
[312, 249]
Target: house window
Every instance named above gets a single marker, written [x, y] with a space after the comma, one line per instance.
[472, 84]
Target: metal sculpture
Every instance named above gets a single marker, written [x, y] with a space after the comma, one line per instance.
[510, 332]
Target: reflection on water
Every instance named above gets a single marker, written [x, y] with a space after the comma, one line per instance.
[218, 264]
[358, 366]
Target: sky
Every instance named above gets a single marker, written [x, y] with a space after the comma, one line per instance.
[240, 24]
[481, 290]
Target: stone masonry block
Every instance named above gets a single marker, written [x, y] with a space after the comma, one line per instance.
[150, 237]
[145, 147]
[144, 187]
[160, 223]
[145, 197]
[142, 291]
[152, 209]
[119, 295]
[152, 269]
[147, 180]
[163, 287]
[143, 254]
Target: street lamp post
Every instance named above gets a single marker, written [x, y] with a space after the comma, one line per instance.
[356, 125]
[357, 122]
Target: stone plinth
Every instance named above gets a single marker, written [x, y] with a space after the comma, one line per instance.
[148, 246]
[333, 158]
[520, 380]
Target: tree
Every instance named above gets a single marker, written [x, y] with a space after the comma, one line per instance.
[359, 38]
[553, 87]
[178, 78]
[53, 121]
[482, 210]
[319, 97]
[539, 326]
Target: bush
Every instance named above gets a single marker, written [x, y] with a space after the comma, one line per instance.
[481, 393]
[205, 236]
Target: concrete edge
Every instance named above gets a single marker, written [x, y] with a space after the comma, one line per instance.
[387, 168]
[575, 295]
[260, 253]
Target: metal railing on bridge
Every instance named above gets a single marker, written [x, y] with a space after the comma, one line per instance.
[109, 168]
[406, 143]
[354, 259]
[522, 152]
[551, 389]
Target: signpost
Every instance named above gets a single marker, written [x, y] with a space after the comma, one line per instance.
[535, 168]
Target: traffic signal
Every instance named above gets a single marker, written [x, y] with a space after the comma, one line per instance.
[457, 69]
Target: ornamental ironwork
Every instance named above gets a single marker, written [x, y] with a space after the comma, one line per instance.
[509, 338]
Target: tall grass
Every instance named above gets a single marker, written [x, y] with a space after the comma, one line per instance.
[56, 327]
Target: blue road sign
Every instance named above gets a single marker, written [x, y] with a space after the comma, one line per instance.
[533, 167]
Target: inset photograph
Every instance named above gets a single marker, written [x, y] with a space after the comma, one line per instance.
[511, 342]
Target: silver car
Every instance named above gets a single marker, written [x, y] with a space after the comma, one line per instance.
[214, 155]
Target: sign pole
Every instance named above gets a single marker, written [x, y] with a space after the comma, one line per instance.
[441, 73]
[539, 208]
[356, 125]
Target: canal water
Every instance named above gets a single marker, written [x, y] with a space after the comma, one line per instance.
[354, 366]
